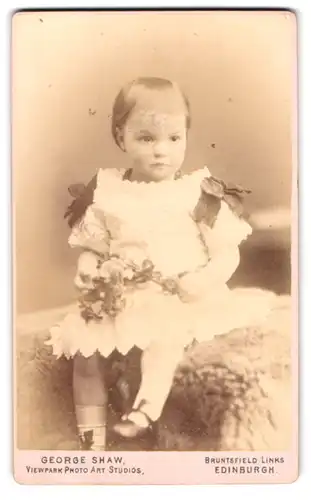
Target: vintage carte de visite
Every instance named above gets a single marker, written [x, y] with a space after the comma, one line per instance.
[155, 236]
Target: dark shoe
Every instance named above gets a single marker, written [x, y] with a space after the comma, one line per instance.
[130, 430]
[86, 440]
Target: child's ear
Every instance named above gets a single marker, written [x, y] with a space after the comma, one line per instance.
[120, 138]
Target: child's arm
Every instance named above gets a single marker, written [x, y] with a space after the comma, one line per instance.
[222, 241]
[218, 272]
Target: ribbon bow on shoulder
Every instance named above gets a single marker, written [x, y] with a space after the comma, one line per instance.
[83, 197]
[232, 194]
[213, 190]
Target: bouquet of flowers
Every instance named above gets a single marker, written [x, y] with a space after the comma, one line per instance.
[102, 281]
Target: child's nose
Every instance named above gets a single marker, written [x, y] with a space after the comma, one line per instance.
[160, 148]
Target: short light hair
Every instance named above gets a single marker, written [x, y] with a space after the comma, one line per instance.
[126, 101]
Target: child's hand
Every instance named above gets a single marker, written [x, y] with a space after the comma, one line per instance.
[91, 268]
[86, 271]
[190, 287]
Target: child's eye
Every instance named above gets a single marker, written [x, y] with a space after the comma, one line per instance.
[145, 138]
[175, 138]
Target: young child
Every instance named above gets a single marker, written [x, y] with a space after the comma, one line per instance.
[158, 250]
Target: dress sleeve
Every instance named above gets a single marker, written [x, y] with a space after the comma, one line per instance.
[220, 215]
[222, 241]
[225, 237]
[228, 230]
[90, 233]
[100, 229]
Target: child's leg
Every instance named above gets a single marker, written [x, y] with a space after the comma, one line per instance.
[158, 365]
[90, 399]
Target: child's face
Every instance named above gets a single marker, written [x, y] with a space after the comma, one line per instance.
[156, 141]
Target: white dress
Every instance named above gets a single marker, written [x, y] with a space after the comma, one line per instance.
[153, 221]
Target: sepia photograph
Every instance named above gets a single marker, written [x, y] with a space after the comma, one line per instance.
[154, 160]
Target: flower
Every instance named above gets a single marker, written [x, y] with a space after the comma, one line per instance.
[110, 267]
